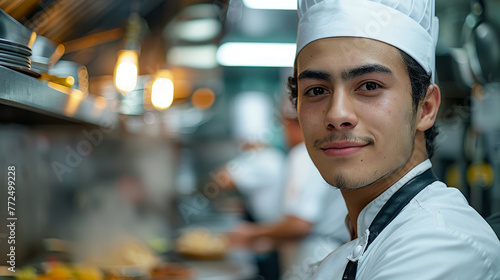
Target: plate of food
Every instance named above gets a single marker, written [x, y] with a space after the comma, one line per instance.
[200, 243]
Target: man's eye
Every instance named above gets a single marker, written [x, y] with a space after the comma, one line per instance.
[316, 91]
[370, 86]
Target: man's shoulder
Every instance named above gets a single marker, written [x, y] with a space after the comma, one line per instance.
[438, 226]
[433, 253]
[439, 209]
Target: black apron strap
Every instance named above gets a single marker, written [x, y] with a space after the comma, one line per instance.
[350, 271]
[390, 210]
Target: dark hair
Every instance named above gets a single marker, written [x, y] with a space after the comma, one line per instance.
[420, 80]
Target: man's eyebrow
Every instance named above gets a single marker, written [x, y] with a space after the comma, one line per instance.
[365, 69]
[315, 75]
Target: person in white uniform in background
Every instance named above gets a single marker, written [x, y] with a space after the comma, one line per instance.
[366, 102]
[257, 172]
[313, 211]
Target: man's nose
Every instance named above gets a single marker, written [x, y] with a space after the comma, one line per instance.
[341, 114]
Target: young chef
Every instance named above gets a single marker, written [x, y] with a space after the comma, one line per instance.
[367, 104]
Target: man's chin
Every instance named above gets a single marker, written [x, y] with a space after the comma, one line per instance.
[348, 181]
[344, 181]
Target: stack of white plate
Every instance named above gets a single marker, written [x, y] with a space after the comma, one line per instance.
[14, 50]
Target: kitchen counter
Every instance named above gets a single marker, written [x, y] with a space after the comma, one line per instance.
[238, 265]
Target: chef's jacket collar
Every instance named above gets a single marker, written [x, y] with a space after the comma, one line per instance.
[368, 213]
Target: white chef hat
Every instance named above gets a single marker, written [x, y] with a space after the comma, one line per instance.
[409, 25]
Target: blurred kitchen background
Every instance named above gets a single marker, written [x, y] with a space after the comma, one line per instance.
[125, 108]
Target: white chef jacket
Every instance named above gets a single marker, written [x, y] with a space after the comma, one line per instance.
[258, 176]
[436, 236]
[310, 198]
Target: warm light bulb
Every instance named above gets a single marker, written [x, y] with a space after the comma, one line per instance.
[162, 93]
[126, 76]
[126, 71]
[203, 98]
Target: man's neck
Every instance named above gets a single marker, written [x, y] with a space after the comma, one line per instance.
[357, 199]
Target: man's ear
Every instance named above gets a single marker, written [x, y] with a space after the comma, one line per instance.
[428, 108]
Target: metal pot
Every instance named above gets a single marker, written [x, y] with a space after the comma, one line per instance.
[482, 44]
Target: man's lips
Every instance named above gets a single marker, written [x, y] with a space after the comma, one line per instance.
[342, 148]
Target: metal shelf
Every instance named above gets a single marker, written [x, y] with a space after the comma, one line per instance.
[24, 99]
